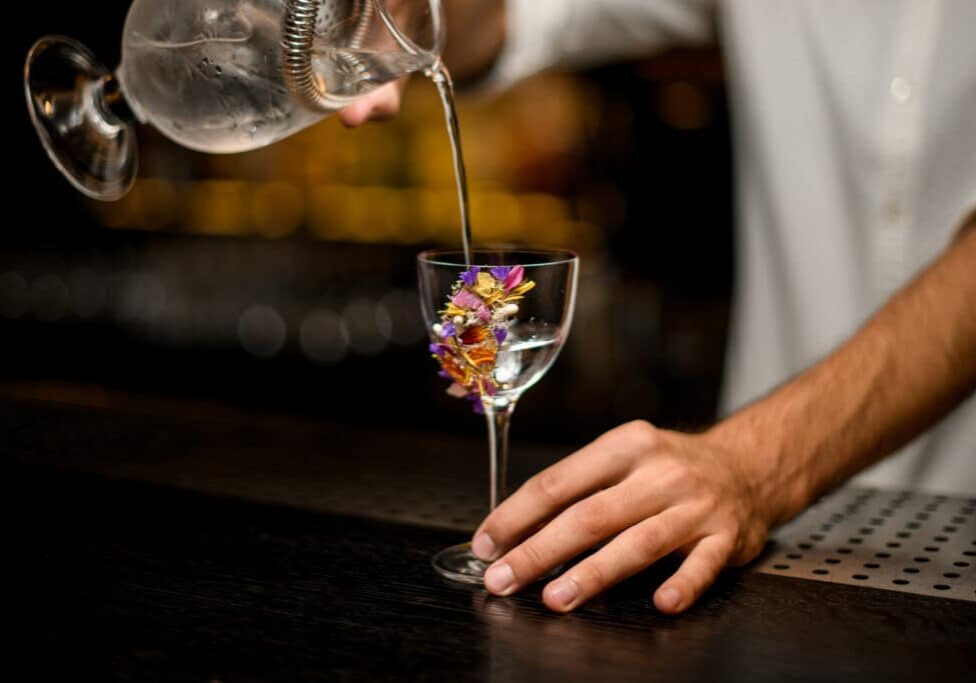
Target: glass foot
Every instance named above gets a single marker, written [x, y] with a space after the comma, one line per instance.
[71, 96]
[458, 563]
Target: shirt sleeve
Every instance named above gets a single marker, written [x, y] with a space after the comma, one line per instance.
[542, 34]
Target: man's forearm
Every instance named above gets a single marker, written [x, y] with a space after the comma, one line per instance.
[475, 35]
[904, 370]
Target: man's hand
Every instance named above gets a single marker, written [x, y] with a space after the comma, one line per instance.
[714, 496]
[380, 105]
[649, 492]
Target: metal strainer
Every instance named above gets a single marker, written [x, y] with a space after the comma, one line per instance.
[348, 19]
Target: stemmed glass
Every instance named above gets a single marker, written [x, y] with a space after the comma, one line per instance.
[496, 326]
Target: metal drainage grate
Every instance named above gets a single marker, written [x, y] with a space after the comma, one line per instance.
[902, 541]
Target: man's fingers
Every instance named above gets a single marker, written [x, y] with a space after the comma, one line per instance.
[593, 467]
[629, 553]
[594, 519]
[379, 105]
[694, 576]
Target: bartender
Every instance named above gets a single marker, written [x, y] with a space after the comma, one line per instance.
[853, 340]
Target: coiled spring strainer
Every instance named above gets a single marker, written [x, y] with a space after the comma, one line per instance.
[298, 34]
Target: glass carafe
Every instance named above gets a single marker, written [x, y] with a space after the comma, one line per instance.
[218, 76]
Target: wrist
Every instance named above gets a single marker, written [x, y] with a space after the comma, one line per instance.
[770, 466]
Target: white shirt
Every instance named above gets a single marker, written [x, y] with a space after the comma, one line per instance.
[855, 155]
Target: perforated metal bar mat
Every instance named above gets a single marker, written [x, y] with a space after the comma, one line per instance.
[893, 540]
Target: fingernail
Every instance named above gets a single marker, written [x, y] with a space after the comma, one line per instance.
[499, 579]
[669, 598]
[483, 547]
[563, 593]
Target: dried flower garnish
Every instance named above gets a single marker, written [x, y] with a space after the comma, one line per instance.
[474, 323]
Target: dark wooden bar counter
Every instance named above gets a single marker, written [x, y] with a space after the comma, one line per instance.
[109, 578]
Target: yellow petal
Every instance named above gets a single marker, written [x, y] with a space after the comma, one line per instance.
[484, 285]
[451, 311]
[523, 288]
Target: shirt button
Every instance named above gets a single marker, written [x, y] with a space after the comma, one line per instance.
[900, 89]
[893, 210]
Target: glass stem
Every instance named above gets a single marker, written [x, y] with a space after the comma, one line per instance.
[112, 99]
[498, 415]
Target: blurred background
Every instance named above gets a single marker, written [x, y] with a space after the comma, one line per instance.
[283, 280]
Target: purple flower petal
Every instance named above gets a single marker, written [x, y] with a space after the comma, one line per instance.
[448, 330]
[470, 276]
[437, 349]
[501, 334]
[444, 373]
[514, 278]
[501, 272]
[476, 405]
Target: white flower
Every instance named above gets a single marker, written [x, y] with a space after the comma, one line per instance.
[507, 311]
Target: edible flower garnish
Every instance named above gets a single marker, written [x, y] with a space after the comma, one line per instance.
[473, 325]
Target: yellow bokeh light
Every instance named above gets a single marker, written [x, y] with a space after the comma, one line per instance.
[154, 203]
[393, 182]
[218, 207]
[277, 209]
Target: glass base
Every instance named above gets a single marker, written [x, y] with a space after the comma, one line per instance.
[68, 96]
[458, 563]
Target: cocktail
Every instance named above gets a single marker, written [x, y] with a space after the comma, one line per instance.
[496, 324]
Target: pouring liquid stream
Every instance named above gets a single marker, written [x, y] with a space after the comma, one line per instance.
[439, 74]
